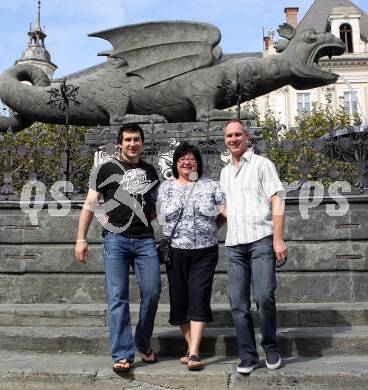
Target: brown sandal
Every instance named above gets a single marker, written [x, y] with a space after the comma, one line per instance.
[184, 359]
[195, 363]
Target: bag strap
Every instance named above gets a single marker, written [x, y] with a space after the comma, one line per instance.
[182, 211]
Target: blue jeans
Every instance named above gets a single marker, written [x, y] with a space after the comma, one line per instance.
[119, 254]
[253, 263]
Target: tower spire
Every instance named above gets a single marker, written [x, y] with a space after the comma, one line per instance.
[38, 17]
[36, 53]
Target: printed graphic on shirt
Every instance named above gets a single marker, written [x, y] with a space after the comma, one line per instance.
[135, 181]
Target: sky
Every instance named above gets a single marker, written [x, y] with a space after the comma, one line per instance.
[67, 23]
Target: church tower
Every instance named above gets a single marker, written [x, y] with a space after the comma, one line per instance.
[36, 53]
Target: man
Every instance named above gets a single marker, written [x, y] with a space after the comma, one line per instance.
[127, 185]
[254, 243]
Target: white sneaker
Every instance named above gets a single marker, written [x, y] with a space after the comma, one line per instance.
[246, 366]
[273, 360]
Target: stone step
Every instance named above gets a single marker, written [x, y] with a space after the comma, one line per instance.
[288, 314]
[293, 287]
[78, 372]
[306, 341]
[303, 256]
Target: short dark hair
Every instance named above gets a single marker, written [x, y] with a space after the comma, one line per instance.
[129, 127]
[182, 150]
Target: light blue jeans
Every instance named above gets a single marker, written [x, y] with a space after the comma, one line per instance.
[120, 253]
[253, 264]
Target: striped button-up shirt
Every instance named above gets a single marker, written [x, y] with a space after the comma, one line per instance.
[248, 189]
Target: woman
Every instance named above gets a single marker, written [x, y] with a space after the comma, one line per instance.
[194, 245]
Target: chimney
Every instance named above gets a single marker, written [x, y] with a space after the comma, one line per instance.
[292, 16]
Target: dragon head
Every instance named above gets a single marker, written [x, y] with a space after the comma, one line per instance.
[302, 50]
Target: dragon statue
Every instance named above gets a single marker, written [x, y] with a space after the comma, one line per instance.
[170, 71]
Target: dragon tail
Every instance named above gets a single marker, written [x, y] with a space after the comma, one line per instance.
[10, 82]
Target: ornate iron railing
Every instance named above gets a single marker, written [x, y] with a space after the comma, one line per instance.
[26, 158]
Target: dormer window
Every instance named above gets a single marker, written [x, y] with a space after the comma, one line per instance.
[346, 35]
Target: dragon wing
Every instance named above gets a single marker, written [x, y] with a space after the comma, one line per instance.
[157, 51]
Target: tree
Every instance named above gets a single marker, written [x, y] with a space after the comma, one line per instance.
[298, 152]
[38, 153]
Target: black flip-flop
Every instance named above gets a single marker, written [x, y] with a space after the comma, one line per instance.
[122, 369]
[148, 353]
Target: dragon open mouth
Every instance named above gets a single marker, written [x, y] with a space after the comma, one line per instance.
[329, 50]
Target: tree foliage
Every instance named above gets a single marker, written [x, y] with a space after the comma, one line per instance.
[39, 153]
[295, 151]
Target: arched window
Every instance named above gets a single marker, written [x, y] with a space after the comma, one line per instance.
[346, 34]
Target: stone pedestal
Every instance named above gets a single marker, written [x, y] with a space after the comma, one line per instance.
[162, 131]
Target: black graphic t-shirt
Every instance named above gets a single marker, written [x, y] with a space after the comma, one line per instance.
[128, 191]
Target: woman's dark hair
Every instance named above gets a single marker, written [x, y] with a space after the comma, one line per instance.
[129, 127]
[182, 150]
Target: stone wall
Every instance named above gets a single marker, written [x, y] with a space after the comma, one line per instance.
[328, 259]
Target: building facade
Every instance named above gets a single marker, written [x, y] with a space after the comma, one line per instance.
[346, 21]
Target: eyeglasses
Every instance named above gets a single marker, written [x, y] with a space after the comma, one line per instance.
[189, 159]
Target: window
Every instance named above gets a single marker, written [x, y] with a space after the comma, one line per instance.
[346, 34]
[351, 102]
[303, 102]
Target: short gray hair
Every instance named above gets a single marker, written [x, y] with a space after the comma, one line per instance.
[241, 123]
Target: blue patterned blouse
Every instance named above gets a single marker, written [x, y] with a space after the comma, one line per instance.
[197, 227]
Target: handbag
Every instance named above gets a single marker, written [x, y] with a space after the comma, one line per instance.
[163, 250]
[164, 245]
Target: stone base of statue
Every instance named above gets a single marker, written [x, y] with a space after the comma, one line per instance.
[163, 132]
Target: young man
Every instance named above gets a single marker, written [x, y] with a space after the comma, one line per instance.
[127, 185]
[254, 243]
